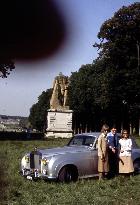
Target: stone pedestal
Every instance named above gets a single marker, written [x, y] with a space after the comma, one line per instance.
[59, 123]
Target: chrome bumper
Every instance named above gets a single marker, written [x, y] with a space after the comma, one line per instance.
[34, 175]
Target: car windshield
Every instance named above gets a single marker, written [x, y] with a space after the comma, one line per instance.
[79, 140]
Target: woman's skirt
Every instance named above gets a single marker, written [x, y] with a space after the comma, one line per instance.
[103, 165]
[126, 164]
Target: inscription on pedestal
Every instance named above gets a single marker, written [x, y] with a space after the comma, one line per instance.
[61, 121]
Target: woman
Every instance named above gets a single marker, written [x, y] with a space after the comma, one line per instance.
[103, 166]
[125, 163]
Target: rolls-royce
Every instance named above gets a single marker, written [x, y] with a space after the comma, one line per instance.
[78, 159]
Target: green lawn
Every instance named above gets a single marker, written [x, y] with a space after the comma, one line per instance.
[16, 190]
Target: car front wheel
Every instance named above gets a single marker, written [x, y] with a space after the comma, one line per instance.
[67, 174]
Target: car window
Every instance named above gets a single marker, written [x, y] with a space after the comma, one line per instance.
[77, 140]
[89, 140]
[82, 140]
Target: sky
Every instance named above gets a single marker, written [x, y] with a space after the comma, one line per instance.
[84, 18]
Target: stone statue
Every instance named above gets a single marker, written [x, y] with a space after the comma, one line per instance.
[60, 93]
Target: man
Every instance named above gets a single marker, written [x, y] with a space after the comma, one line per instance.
[113, 142]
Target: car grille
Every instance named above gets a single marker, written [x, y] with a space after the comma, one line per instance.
[35, 160]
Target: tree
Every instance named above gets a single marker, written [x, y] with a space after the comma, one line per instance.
[118, 47]
[109, 89]
[38, 112]
[5, 67]
[23, 122]
[83, 89]
[119, 36]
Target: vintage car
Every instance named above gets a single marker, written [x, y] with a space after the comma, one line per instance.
[78, 159]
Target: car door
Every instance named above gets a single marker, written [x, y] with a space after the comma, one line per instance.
[94, 161]
[94, 157]
[93, 154]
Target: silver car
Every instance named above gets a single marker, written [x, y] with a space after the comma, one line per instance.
[78, 159]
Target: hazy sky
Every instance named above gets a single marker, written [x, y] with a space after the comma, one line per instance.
[84, 18]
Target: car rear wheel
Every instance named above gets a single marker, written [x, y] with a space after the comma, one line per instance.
[137, 166]
[68, 174]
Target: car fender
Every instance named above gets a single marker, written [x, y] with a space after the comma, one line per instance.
[59, 166]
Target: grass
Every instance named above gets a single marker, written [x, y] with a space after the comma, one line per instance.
[16, 190]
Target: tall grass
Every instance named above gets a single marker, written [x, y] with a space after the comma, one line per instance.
[16, 190]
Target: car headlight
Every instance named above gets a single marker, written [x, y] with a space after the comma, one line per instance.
[27, 159]
[45, 161]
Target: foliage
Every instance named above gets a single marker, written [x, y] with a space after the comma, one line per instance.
[83, 95]
[23, 122]
[109, 89]
[119, 36]
[5, 67]
[38, 112]
[17, 190]
[78, 85]
[119, 39]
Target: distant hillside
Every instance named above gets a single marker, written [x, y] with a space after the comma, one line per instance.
[12, 117]
[11, 123]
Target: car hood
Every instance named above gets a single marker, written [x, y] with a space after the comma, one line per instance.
[62, 150]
